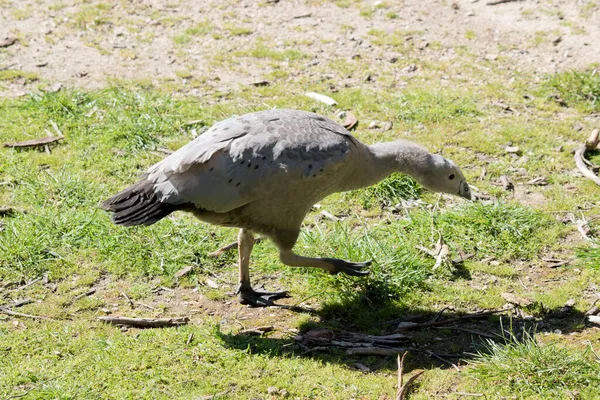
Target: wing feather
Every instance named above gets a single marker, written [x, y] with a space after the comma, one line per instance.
[241, 159]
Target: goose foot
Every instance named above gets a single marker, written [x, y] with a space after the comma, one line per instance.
[347, 267]
[258, 298]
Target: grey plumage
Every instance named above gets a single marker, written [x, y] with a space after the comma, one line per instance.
[262, 172]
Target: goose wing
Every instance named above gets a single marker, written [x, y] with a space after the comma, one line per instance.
[242, 159]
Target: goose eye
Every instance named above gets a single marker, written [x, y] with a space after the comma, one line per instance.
[451, 176]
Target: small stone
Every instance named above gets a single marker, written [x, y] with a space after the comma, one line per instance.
[491, 57]
[512, 149]
[557, 331]
[373, 125]
[570, 303]
[386, 126]
[272, 390]
[284, 393]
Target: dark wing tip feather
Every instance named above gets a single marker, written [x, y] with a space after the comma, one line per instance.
[137, 205]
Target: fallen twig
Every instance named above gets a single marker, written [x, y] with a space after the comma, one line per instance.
[375, 351]
[28, 284]
[258, 331]
[403, 387]
[18, 314]
[128, 299]
[555, 262]
[9, 41]
[9, 66]
[450, 320]
[432, 354]
[82, 295]
[231, 246]
[35, 142]
[496, 2]
[590, 144]
[474, 332]
[145, 305]
[20, 303]
[146, 322]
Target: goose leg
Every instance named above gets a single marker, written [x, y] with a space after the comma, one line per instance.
[247, 295]
[331, 265]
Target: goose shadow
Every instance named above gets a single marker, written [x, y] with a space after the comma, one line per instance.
[434, 339]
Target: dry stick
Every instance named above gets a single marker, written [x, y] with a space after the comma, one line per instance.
[82, 295]
[496, 2]
[18, 314]
[375, 351]
[432, 354]
[29, 284]
[403, 387]
[46, 146]
[589, 145]
[9, 66]
[128, 299]
[189, 340]
[474, 332]
[146, 322]
[451, 320]
[21, 303]
[35, 142]
[145, 305]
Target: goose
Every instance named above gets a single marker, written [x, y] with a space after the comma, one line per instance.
[262, 172]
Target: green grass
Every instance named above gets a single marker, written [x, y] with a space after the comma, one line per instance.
[578, 88]
[112, 135]
[530, 369]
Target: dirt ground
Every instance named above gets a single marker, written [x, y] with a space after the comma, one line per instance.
[85, 44]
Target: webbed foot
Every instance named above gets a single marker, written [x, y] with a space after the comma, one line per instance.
[258, 298]
[347, 267]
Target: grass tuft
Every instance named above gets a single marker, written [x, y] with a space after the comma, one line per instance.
[392, 190]
[578, 88]
[529, 369]
[504, 231]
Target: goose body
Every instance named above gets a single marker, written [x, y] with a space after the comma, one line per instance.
[262, 172]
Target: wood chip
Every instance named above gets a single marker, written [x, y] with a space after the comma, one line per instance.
[35, 142]
[9, 41]
[321, 98]
[146, 322]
